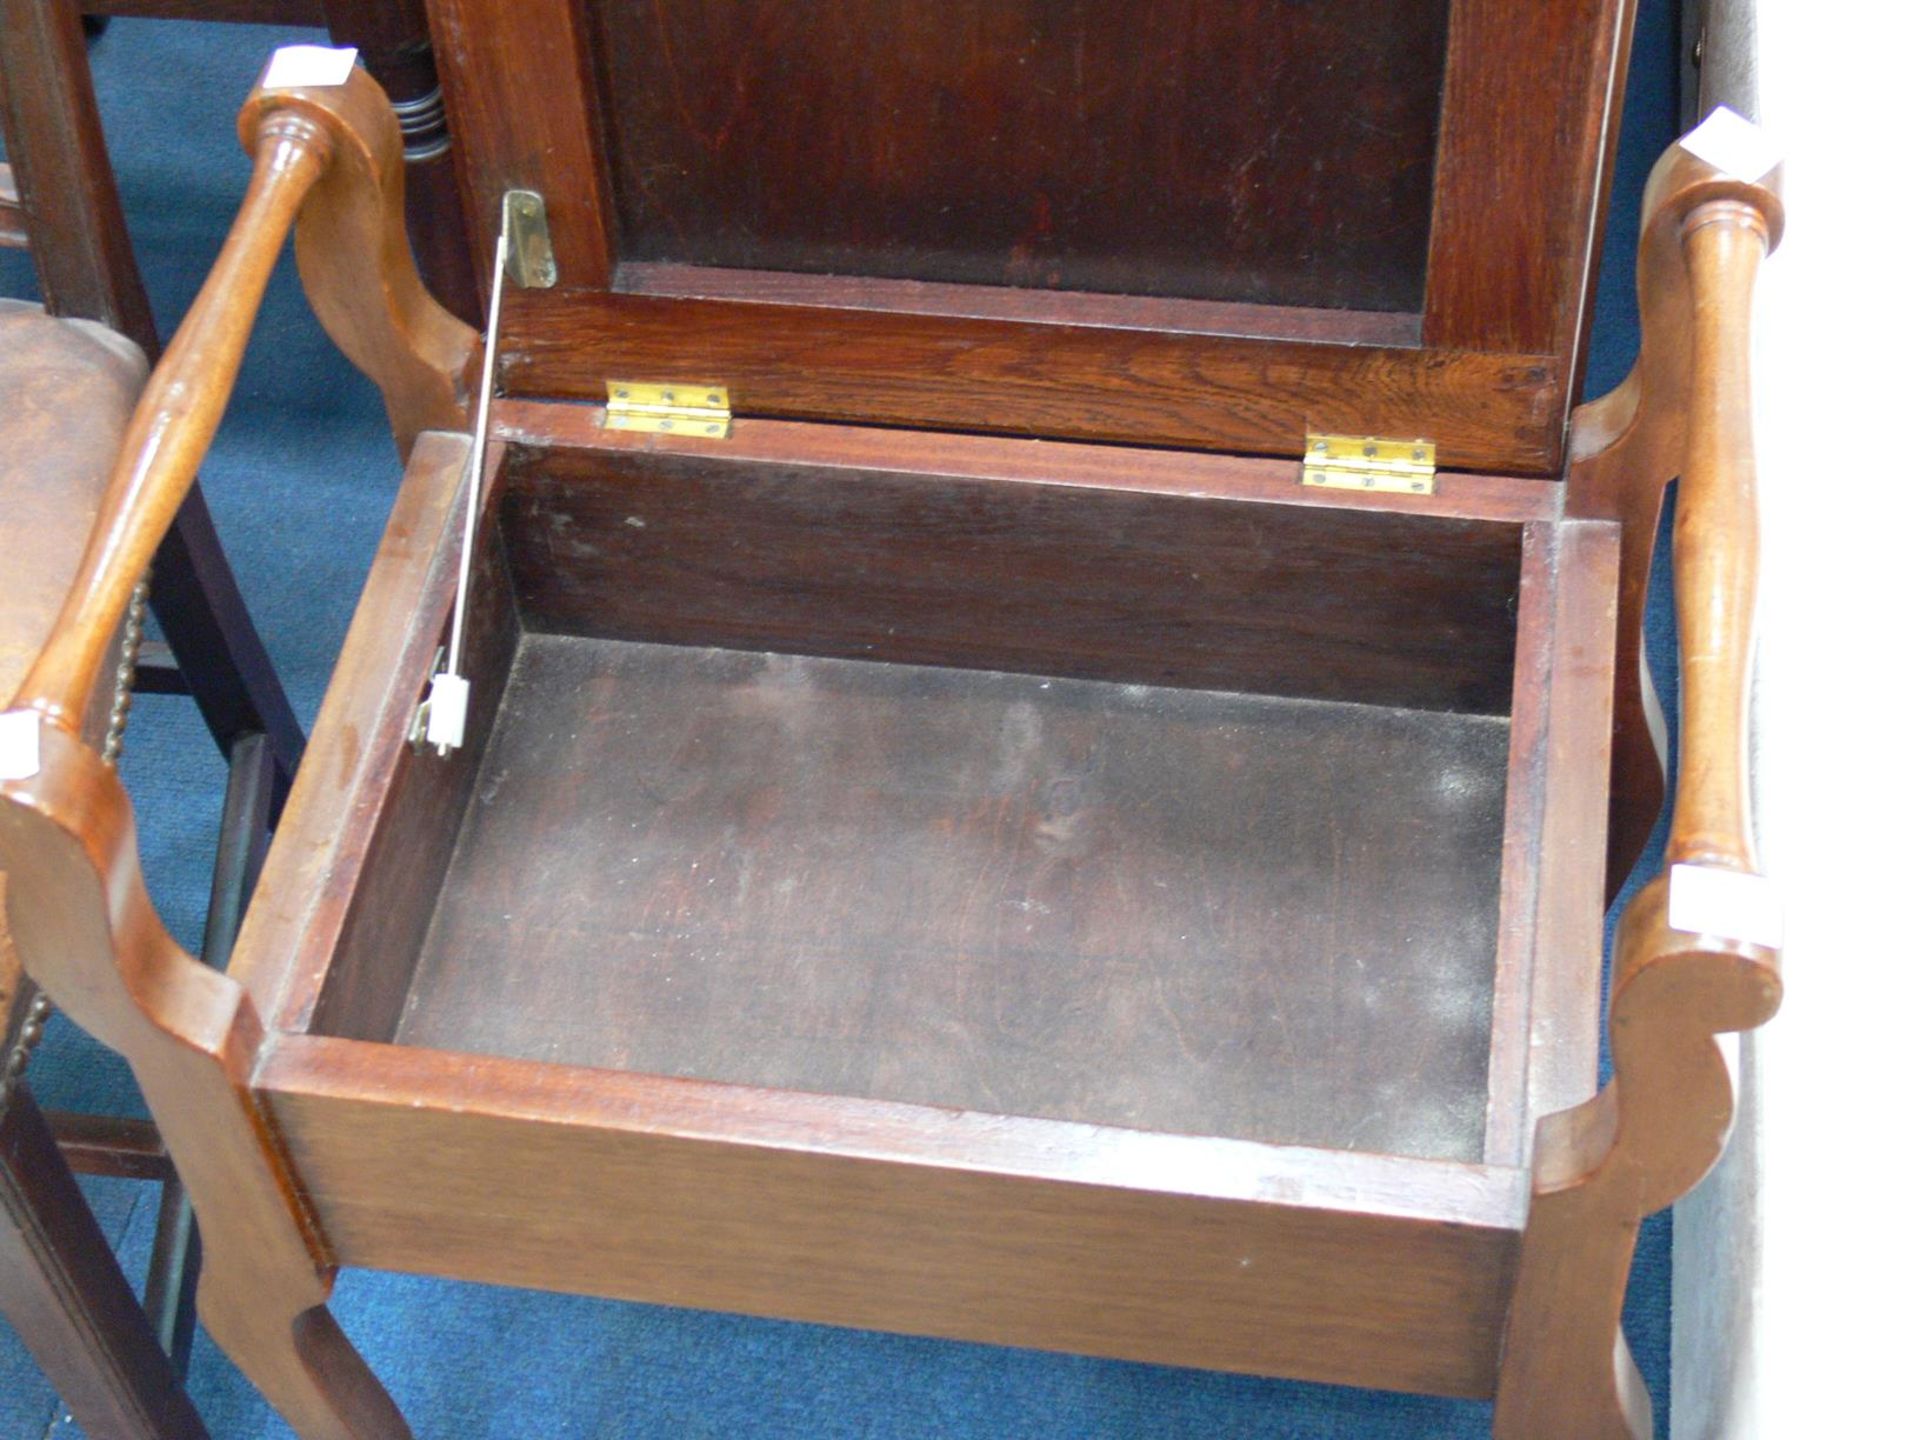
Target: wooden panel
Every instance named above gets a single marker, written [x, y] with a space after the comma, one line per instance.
[419, 816]
[1173, 910]
[1547, 1008]
[1032, 462]
[294, 920]
[1517, 196]
[1563, 1061]
[1225, 1254]
[519, 106]
[1517, 180]
[1041, 307]
[1486, 412]
[764, 552]
[1251, 150]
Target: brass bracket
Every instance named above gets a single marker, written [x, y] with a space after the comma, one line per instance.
[1367, 462]
[529, 243]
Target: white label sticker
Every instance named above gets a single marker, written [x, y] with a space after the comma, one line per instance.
[19, 745]
[1726, 904]
[447, 712]
[1730, 142]
[294, 65]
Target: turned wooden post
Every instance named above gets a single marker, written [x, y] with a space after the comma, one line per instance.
[1660, 1124]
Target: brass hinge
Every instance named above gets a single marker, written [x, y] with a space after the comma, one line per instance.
[1366, 462]
[672, 409]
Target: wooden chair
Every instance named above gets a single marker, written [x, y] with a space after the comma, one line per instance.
[71, 373]
[673, 614]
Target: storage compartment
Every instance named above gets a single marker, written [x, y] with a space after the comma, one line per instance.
[1031, 780]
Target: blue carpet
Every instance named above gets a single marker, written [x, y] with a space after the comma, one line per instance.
[299, 481]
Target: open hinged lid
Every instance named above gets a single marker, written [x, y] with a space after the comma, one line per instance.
[1210, 223]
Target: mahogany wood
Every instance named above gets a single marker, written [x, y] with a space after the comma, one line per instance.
[493, 55]
[753, 549]
[890, 366]
[979, 890]
[1546, 1003]
[1627, 447]
[855, 1209]
[1138, 147]
[992, 302]
[1661, 1122]
[419, 819]
[310, 13]
[377, 311]
[1516, 219]
[1100, 468]
[311, 871]
[86, 931]
[1169, 1248]
[1489, 381]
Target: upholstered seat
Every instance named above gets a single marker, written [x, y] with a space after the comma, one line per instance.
[67, 390]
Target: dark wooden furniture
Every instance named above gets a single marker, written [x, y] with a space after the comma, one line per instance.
[71, 374]
[993, 848]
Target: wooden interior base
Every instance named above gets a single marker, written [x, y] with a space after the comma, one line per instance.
[1175, 910]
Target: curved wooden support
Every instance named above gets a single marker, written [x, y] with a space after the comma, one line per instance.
[355, 260]
[1627, 447]
[337, 152]
[1660, 1124]
[79, 915]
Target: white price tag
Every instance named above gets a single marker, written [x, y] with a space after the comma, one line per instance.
[1730, 142]
[294, 65]
[1726, 904]
[19, 745]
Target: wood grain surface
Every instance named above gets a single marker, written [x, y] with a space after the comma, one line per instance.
[1348, 1268]
[1204, 148]
[1381, 607]
[1174, 910]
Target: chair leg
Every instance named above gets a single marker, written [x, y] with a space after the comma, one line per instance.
[242, 848]
[172, 1275]
[221, 659]
[62, 1289]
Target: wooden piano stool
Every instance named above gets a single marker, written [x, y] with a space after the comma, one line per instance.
[1055, 700]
